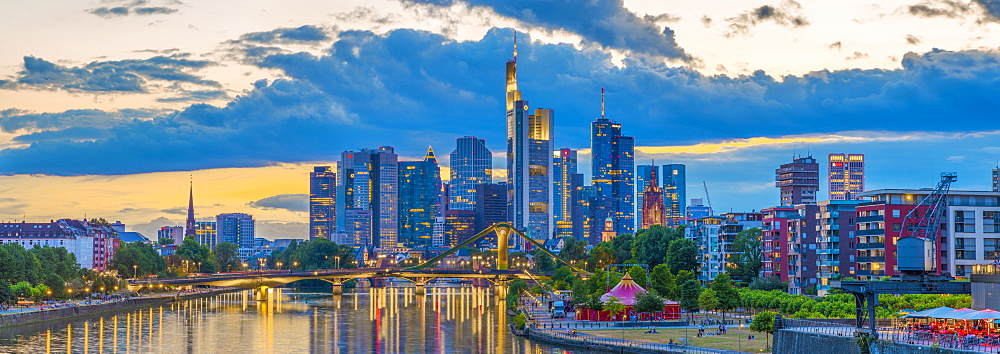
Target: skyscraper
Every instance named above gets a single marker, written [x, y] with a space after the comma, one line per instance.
[565, 167]
[322, 198]
[206, 233]
[491, 208]
[419, 202]
[846, 176]
[798, 181]
[529, 162]
[189, 227]
[368, 187]
[613, 166]
[237, 228]
[471, 165]
[675, 194]
[652, 202]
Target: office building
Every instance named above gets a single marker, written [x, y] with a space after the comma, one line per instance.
[675, 194]
[175, 233]
[368, 187]
[652, 202]
[471, 164]
[239, 229]
[459, 225]
[491, 208]
[419, 202]
[798, 181]
[697, 209]
[565, 168]
[529, 162]
[206, 233]
[613, 168]
[846, 176]
[582, 196]
[322, 201]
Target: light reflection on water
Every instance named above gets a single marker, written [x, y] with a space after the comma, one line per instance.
[385, 320]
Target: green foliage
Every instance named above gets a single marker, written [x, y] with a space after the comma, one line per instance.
[601, 255]
[648, 301]
[574, 250]
[690, 292]
[137, 259]
[621, 245]
[682, 254]
[638, 275]
[650, 245]
[6, 293]
[543, 261]
[319, 253]
[726, 293]
[768, 283]
[227, 256]
[163, 241]
[763, 322]
[22, 289]
[520, 320]
[747, 260]
[708, 300]
[664, 282]
[614, 306]
[199, 254]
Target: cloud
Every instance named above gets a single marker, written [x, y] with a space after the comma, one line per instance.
[992, 8]
[787, 14]
[857, 55]
[835, 45]
[300, 34]
[706, 21]
[360, 93]
[196, 96]
[365, 13]
[136, 7]
[292, 202]
[605, 22]
[940, 8]
[132, 75]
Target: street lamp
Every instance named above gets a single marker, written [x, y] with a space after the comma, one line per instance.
[135, 271]
[338, 261]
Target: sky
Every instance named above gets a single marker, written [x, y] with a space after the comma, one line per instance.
[110, 108]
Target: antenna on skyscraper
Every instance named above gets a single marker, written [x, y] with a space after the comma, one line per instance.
[515, 46]
[602, 102]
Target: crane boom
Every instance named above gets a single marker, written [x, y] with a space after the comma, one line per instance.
[921, 226]
[707, 198]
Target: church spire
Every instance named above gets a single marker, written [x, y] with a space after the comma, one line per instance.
[189, 228]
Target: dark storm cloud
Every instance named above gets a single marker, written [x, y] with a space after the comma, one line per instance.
[109, 76]
[411, 89]
[786, 14]
[992, 8]
[288, 35]
[940, 8]
[606, 22]
[292, 202]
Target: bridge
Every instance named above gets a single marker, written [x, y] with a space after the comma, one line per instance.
[419, 274]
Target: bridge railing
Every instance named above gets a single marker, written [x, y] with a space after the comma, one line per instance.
[890, 333]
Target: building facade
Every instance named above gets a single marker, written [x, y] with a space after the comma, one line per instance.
[207, 233]
[529, 162]
[835, 242]
[491, 208]
[368, 187]
[675, 194]
[419, 200]
[459, 225]
[652, 202]
[175, 233]
[239, 229]
[93, 245]
[613, 169]
[798, 181]
[471, 165]
[565, 168]
[802, 250]
[322, 202]
[846, 176]
[774, 241]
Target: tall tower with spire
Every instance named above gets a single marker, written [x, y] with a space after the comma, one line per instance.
[419, 199]
[189, 227]
[652, 201]
[529, 161]
[613, 169]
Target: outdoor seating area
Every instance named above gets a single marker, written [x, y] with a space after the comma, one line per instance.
[961, 328]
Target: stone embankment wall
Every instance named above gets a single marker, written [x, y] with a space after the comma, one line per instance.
[595, 344]
[17, 319]
[790, 341]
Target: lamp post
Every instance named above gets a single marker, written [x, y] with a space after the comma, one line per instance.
[135, 271]
[739, 338]
[338, 261]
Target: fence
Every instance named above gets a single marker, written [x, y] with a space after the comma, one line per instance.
[585, 340]
[888, 331]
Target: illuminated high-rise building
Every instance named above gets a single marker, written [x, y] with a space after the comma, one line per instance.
[642, 173]
[322, 198]
[529, 162]
[675, 194]
[798, 181]
[419, 200]
[565, 167]
[491, 208]
[652, 202]
[846, 176]
[238, 229]
[996, 179]
[471, 164]
[613, 167]
[206, 233]
[368, 187]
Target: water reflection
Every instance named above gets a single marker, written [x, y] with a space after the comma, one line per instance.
[383, 320]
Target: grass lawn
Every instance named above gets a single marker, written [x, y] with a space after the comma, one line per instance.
[736, 339]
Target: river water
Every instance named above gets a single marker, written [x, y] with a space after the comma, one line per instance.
[384, 320]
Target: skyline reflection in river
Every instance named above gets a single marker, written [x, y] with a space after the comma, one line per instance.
[380, 320]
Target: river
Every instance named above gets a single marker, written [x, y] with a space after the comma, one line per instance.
[384, 320]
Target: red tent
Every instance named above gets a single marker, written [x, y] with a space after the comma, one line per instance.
[625, 292]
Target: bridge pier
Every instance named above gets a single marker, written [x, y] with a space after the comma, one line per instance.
[338, 289]
[261, 293]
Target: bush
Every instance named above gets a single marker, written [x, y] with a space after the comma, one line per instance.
[520, 320]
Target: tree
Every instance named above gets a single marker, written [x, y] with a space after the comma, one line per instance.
[22, 289]
[638, 275]
[682, 254]
[543, 261]
[621, 246]
[136, 259]
[227, 256]
[648, 302]
[764, 322]
[746, 261]
[163, 241]
[601, 255]
[663, 281]
[690, 292]
[708, 300]
[615, 307]
[199, 254]
[650, 245]
[6, 294]
[726, 292]
[573, 250]
[520, 320]
[768, 283]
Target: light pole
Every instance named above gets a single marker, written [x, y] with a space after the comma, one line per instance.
[135, 271]
[739, 337]
[338, 261]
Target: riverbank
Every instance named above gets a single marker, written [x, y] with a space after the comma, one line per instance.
[38, 316]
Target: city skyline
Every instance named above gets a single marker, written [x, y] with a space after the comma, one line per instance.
[55, 117]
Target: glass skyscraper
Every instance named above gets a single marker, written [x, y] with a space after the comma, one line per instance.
[675, 194]
[322, 198]
[206, 233]
[419, 200]
[368, 187]
[237, 228]
[565, 167]
[613, 168]
[471, 165]
[846, 176]
[529, 162]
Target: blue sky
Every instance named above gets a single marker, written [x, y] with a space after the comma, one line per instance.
[731, 89]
